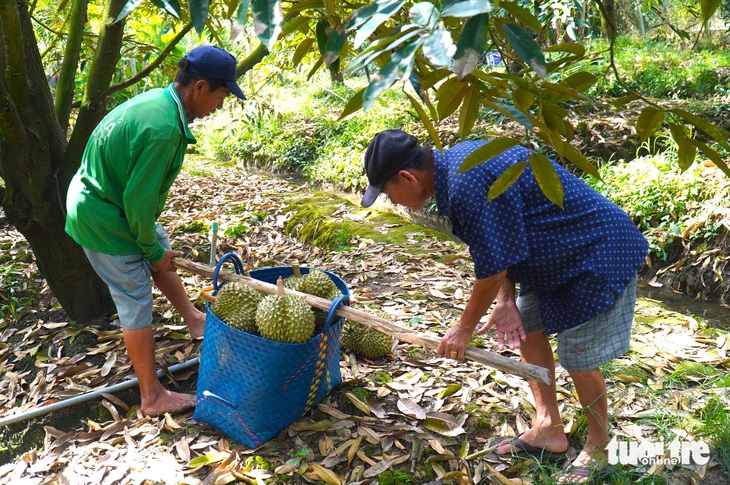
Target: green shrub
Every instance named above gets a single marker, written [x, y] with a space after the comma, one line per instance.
[667, 205]
[659, 69]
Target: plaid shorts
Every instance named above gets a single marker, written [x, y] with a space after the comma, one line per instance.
[128, 279]
[594, 343]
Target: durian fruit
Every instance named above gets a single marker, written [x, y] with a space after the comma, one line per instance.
[285, 318]
[236, 304]
[292, 282]
[366, 341]
[318, 283]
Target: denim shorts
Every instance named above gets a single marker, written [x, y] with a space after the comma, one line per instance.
[594, 343]
[128, 279]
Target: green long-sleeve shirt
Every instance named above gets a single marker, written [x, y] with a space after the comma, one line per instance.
[128, 167]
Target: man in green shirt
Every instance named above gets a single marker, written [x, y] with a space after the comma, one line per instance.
[130, 162]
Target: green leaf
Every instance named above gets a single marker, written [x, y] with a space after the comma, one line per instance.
[438, 47]
[170, 6]
[127, 9]
[383, 47]
[712, 155]
[444, 393]
[487, 152]
[714, 132]
[554, 116]
[317, 65]
[371, 20]
[434, 77]
[561, 93]
[686, 150]
[526, 48]
[450, 96]
[572, 47]
[708, 8]
[470, 47]
[650, 120]
[443, 426]
[523, 14]
[335, 42]
[469, 112]
[354, 104]
[547, 178]
[399, 67]
[580, 81]
[506, 180]
[511, 112]
[424, 15]
[242, 13]
[294, 24]
[267, 21]
[619, 102]
[522, 98]
[199, 14]
[204, 460]
[568, 151]
[321, 34]
[302, 49]
[465, 8]
[426, 122]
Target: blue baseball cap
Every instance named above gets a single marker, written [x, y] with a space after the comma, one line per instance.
[213, 62]
[387, 153]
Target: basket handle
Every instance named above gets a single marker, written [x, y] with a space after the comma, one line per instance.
[237, 265]
[340, 300]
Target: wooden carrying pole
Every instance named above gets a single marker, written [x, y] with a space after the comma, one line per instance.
[527, 371]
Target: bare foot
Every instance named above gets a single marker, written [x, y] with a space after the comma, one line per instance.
[196, 324]
[550, 439]
[168, 402]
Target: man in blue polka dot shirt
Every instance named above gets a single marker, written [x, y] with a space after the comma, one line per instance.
[576, 267]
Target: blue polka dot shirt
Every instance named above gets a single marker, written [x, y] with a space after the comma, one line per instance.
[577, 260]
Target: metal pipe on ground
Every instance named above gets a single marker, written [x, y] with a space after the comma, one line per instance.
[40, 411]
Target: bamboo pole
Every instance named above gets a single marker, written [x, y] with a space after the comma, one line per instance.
[526, 371]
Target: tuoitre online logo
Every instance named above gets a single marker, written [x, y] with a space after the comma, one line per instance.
[657, 453]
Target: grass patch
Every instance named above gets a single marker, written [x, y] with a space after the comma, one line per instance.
[660, 69]
[715, 418]
[315, 219]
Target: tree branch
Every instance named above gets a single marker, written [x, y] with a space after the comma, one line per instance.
[152, 65]
[93, 104]
[15, 69]
[67, 77]
[253, 58]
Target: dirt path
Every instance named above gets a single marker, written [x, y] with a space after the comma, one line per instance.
[412, 417]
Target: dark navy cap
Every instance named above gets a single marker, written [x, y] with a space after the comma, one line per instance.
[213, 62]
[388, 152]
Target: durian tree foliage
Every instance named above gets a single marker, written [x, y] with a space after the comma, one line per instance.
[436, 46]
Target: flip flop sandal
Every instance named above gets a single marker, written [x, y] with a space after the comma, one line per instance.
[586, 475]
[522, 449]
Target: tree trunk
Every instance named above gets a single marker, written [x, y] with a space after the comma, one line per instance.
[608, 18]
[32, 199]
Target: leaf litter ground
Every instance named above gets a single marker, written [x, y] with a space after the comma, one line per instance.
[412, 417]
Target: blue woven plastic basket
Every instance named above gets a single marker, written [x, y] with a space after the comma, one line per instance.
[250, 388]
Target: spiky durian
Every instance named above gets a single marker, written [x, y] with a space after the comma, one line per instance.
[236, 305]
[318, 283]
[285, 318]
[365, 341]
